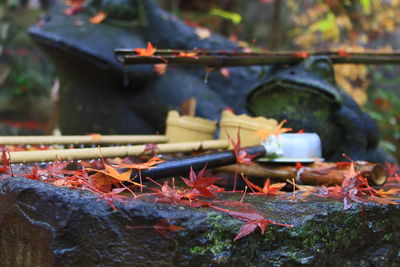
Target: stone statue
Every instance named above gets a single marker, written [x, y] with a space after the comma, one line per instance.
[307, 96]
[94, 98]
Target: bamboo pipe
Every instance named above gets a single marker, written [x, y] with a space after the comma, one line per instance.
[210, 160]
[82, 139]
[109, 152]
[312, 174]
[230, 59]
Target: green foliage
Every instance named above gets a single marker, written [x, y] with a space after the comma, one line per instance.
[234, 17]
[29, 76]
[384, 107]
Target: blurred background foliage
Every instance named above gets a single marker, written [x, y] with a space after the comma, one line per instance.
[27, 80]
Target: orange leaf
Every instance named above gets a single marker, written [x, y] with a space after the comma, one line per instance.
[146, 52]
[389, 192]
[265, 133]
[114, 173]
[187, 54]
[99, 17]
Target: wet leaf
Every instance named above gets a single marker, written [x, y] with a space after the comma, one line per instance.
[201, 183]
[253, 220]
[268, 188]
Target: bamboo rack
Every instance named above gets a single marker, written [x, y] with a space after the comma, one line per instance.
[110, 152]
[82, 139]
[231, 59]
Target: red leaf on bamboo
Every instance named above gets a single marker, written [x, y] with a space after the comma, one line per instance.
[188, 54]
[146, 52]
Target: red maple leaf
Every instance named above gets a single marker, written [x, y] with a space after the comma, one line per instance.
[253, 220]
[240, 153]
[343, 53]
[34, 175]
[55, 170]
[351, 189]
[169, 195]
[200, 183]
[268, 188]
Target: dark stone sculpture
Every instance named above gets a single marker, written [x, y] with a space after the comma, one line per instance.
[44, 225]
[307, 96]
[94, 98]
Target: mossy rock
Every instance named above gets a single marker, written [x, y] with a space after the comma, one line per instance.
[43, 225]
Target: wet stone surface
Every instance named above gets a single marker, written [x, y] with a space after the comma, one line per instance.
[43, 225]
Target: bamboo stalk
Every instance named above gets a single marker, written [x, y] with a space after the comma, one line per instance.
[109, 152]
[82, 139]
[312, 174]
[230, 59]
